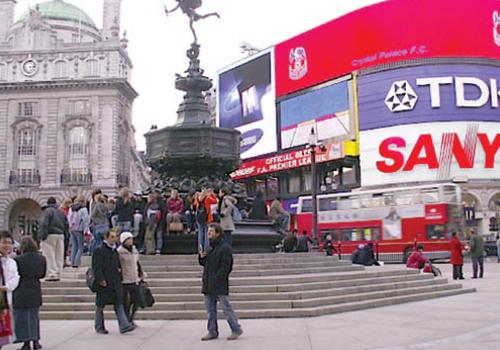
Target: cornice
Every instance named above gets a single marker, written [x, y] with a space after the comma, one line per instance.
[81, 84]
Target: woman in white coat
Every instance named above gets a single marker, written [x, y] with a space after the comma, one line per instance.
[9, 279]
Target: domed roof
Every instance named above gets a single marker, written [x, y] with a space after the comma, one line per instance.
[60, 10]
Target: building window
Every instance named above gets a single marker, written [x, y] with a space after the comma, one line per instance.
[26, 145]
[79, 107]
[76, 38]
[92, 67]
[61, 69]
[3, 71]
[28, 109]
[294, 183]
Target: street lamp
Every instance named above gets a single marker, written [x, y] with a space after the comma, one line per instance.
[312, 144]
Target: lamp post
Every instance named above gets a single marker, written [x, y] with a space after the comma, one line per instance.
[313, 142]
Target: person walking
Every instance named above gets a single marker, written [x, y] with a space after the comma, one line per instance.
[106, 269]
[456, 258]
[79, 221]
[53, 233]
[477, 253]
[217, 265]
[9, 280]
[498, 247]
[27, 297]
[227, 205]
[131, 273]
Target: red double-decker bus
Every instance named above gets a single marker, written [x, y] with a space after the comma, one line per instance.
[393, 219]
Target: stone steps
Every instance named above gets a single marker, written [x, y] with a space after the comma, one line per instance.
[267, 313]
[261, 285]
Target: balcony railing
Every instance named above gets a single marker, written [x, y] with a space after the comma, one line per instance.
[122, 180]
[76, 178]
[24, 178]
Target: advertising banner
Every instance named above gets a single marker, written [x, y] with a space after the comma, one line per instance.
[326, 110]
[246, 102]
[429, 93]
[390, 216]
[438, 151]
[388, 32]
[287, 161]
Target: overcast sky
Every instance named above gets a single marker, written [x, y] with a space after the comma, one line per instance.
[158, 43]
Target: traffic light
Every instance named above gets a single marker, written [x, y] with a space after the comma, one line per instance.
[493, 224]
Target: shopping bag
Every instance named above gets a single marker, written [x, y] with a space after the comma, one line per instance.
[5, 323]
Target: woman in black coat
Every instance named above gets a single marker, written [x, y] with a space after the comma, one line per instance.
[27, 298]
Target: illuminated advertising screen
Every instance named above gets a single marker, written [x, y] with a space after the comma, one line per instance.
[429, 93]
[388, 32]
[325, 110]
[429, 123]
[246, 102]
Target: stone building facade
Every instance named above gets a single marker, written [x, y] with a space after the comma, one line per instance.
[65, 109]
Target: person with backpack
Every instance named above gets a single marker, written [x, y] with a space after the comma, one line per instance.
[79, 220]
[204, 202]
[152, 214]
[227, 206]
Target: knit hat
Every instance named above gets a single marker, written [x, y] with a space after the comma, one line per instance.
[124, 236]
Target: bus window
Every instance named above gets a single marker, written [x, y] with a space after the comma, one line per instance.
[326, 204]
[436, 232]
[306, 205]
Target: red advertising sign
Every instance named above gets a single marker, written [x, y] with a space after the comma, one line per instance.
[388, 32]
[436, 213]
[287, 161]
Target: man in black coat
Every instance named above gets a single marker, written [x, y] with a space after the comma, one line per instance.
[217, 266]
[106, 268]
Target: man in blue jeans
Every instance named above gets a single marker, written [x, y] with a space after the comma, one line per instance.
[217, 265]
[105, 265]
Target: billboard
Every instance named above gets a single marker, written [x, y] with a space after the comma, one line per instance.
[390, 31]
[439, 151]
[429, 93]
[246, 102]
[287, 161]
[326, 110]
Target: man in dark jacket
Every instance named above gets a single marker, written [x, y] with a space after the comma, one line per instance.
[105, 265]
[53, 233]
[217, 266]
[477, 253]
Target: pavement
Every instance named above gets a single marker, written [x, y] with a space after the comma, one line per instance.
[469, 322]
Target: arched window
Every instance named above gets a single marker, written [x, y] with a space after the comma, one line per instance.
[61, 69]
[92, 67]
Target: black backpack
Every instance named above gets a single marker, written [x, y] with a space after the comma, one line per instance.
[201, 213]
[90, 280]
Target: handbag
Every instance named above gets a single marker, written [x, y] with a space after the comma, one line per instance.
[176, 227]
[145, 297]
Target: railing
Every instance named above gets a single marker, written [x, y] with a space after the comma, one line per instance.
[76, 178]
[122, 180]
[24, 178]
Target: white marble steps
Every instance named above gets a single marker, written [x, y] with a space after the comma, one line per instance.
[261, 285]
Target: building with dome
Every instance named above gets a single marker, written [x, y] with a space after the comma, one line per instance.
[65, 109]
